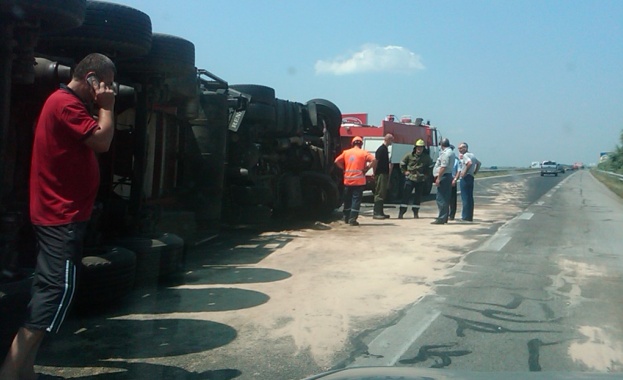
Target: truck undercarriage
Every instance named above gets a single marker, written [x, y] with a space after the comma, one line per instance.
[190, 154]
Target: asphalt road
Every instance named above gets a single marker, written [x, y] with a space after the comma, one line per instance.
[534, 284]
[542, 294]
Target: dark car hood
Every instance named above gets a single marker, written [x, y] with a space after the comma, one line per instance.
[404, 373]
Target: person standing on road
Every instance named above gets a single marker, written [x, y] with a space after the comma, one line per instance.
[415, 166]
[382, 173]
[355, 162]
[443, 173]
[469, 166]
[64, 179]
[455, 185]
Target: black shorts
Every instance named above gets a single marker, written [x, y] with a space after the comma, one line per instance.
[59, 253]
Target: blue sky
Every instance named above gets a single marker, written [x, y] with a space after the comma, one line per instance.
[520, 81]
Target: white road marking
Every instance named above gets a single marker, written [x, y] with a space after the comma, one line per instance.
[387, 348]
[526, 216]
[497, 242]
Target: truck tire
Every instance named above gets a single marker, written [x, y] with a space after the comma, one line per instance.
[172, 257]
[55, 15]
[112, 29]
[328, 111]
[169, 56]
[258, 113]
[259, 94]
[157, 257]
[107, 274]
[289, 119]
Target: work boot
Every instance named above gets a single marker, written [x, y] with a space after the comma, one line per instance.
[384, 214]
[353, 222]
[416, 213]
[401, 213]
[378, 210]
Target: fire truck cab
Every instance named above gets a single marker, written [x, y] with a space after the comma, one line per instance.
[406, 132]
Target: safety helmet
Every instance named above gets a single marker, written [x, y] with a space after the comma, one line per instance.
[420, 142]
[357, 141]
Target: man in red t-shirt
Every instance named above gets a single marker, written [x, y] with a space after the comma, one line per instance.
[64, 179]
[355, 162]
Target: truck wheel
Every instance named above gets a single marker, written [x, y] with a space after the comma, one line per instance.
[169, 56]
[156, 257]
[259, 94]
[172, 256]
[328, 111]
[55, 15]
[106, 275]
[112, 29]
[320, 195]
[258, 113]
[289, 121]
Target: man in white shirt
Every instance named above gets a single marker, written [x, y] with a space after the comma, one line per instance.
[469, 166]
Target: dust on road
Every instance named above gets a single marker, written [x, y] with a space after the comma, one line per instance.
[321, 287]
[346, 278]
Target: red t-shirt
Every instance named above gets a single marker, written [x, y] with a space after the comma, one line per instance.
[64, 173]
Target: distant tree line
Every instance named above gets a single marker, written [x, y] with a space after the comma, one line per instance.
[614, 163]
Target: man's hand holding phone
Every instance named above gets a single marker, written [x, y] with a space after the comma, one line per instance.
[103, 94]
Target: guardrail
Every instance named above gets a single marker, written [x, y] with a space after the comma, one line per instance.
[619, 176]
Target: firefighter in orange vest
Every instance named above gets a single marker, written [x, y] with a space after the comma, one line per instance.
[355, 162]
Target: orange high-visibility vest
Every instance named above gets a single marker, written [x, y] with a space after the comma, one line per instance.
[354, 160]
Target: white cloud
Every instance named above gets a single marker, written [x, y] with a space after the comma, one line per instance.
[372, 58]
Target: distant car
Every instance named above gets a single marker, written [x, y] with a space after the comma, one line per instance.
[560, 168]
[494, 167]
[549, 167]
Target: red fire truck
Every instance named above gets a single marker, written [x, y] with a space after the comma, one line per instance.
[405, 130]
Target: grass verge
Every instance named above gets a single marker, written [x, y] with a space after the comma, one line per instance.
[611, 182]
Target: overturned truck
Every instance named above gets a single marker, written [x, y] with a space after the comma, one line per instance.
[190, 153]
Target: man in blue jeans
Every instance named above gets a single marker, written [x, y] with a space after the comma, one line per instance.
[469, 166]
[355, 162]
[443, 173]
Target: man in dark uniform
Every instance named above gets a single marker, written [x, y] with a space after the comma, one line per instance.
[381, 176]
[415, 167]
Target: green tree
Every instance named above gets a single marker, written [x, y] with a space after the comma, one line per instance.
[614, 162]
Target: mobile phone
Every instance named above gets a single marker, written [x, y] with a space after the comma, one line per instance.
[92, 79]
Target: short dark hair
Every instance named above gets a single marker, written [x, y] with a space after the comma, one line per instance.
[466, 146]
[95, 62]
[445, 142]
